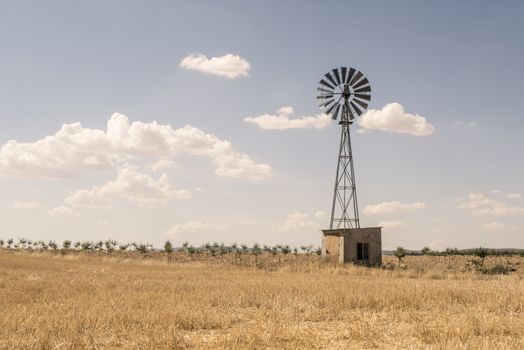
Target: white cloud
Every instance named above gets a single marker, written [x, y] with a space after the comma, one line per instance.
[460, 123]
[25, 205]
[297, 221]
[229, 66]
[393, 118]
[281, 121]
[136, 187]
[321, 214]
[62, 210]
[480, 205]
[75, 148]
[514, 195]
[392, 207]
[391, 224]
[497, 226]
[93, 198]
[189, 227]
[162, 165]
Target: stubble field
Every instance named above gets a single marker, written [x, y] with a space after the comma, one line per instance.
[52, 301]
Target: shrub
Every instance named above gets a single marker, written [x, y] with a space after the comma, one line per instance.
[400, 253]
[499, 270]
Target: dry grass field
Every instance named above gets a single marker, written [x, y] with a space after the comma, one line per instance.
[76, 301]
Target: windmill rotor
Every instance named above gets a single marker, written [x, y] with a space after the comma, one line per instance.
[344, 94]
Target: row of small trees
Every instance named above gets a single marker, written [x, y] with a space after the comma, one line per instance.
[109, 246]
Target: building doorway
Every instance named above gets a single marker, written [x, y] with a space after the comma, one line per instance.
[363, 251]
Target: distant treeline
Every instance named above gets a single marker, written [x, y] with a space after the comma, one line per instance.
[455, 251]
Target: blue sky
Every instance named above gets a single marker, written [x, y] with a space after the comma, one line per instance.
[455, 64]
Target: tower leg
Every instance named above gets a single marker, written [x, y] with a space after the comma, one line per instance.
[344, 210]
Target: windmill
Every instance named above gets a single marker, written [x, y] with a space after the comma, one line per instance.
[344, 94]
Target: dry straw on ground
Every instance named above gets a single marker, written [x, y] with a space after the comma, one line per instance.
[49, 301]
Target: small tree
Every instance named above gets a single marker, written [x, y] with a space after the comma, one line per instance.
[22, 242]
[426, 251]
[168, 249]
[123, 247]
[110, 246]
[143, 248]
[53, 245]
[99, 246]
[295, 251]
[9, 242]
[78, 244]
[1, 243]
[87, 245]
[285, 249]
[256, 252]
[65, 246]
[400, 253]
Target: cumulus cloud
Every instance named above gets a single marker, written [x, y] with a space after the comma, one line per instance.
[480, 205]
[497, 226]
[281, 121]
[392, 207]
[188, 227]
[321, 214]
[297, 221]
[393, 118]
[132, 185]
[162, 165]
[25, 205]
[62, 210]
[74, 148]
[460, 123]
[229, 66]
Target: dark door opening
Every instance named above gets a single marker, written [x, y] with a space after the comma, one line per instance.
[362, 251]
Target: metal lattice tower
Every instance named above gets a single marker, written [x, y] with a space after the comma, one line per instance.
[344, 93]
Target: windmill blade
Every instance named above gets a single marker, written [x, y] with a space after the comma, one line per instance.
[359, 112]
[362, 104]
[328, 111]
[350, 74]
[356, 78]
[321, 89]
[361, 83]
[364, 89]
[344, 72]
[324, 104]
[363, 97]
[337, 76]
[326, 84]
[335, 112]
[330, 78]
[324, 96]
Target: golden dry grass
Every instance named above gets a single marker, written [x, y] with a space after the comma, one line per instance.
[49, 301]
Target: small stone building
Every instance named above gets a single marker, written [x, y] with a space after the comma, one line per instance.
[356, 245]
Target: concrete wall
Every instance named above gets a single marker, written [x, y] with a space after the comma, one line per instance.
[331, 247]
[347, 239]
